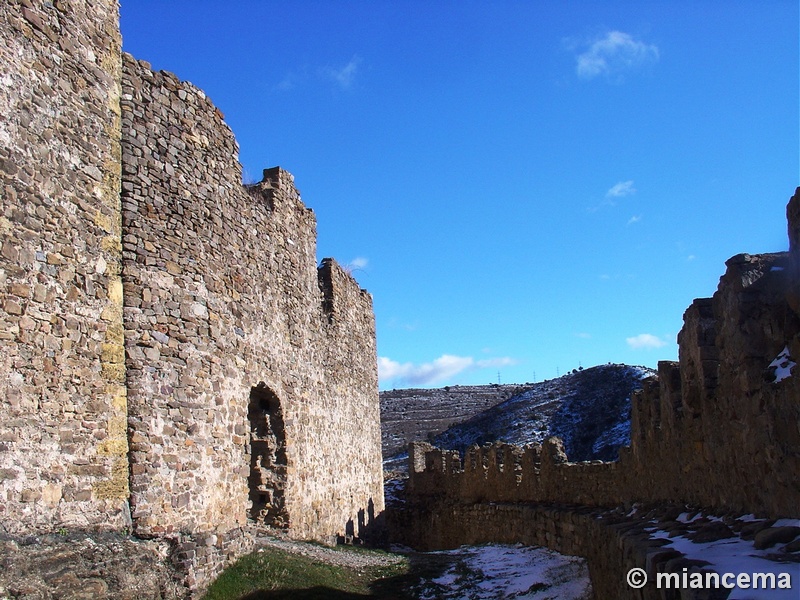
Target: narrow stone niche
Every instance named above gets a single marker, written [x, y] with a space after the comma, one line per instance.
[267, 480]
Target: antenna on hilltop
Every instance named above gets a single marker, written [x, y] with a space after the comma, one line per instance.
[498, 378]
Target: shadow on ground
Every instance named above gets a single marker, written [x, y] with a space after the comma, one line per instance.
[423, 568]
[408, 586]
[315, 593]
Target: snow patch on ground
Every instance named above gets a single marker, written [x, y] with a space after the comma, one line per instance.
[736, 555]
[500, 571]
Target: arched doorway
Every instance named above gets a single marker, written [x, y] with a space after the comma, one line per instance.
[267, 480]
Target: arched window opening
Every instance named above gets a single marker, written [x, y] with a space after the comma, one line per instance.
[267, 480]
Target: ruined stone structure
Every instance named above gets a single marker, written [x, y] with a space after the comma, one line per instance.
[172, 359]
[720, 428]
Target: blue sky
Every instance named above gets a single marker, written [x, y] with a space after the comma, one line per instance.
[524, 187]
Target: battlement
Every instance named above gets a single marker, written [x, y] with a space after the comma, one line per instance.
[719, 428]
[539, 473]
[223, 297]
[175, 362]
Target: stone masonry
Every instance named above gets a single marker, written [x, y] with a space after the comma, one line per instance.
[174, 361]
[718, 429]
[63, 441]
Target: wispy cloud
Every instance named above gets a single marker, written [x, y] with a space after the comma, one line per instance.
[444, 367]
[344, 76]
[645, 341]
[396, 323]
[621, 189]
[359, 262]
[618, 190]
[634, 219]
[613, 55]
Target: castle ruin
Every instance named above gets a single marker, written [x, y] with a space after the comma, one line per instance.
[176, 364]
[719, 428]
[173, 361]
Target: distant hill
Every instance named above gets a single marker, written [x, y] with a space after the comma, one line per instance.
[413, 415]
[589, 409]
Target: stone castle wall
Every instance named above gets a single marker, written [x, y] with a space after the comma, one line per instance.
[716, 429]
[173, 359]
[63, 442]
[223, 295]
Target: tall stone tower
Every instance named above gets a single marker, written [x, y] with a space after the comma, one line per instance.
[62, 370]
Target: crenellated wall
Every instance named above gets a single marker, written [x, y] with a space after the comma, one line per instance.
[223, 295]
[720, 428]
[716, 429]
[173, 360]
[252, 373]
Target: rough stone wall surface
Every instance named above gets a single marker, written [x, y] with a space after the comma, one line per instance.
[222, 294]
[716, 429]
[612, 540]
[145, 293]
[81, 564]
[63, 446]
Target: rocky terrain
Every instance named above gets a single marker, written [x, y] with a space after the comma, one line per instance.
[589, 409]
[88, 565]
[414, 415]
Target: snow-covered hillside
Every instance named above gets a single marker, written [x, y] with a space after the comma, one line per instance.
[589, 409]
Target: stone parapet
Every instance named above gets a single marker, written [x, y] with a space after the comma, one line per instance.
[720, 428]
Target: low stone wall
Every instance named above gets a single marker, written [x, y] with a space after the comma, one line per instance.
[101, 566]
[613, 541]
[507, 473]
[200, 557]
[563, 528]
[720, 428]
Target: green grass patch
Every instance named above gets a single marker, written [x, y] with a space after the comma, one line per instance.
[272, 573]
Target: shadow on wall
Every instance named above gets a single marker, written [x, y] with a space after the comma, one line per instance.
[371, 529]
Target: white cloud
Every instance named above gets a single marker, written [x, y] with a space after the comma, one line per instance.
[444, 367]
[344, 76]
[584, 335]
[359, 262]
[495, 362]
[614, 54]
[645, 341]
[396, 323]
[621, 189]
[634, 219]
